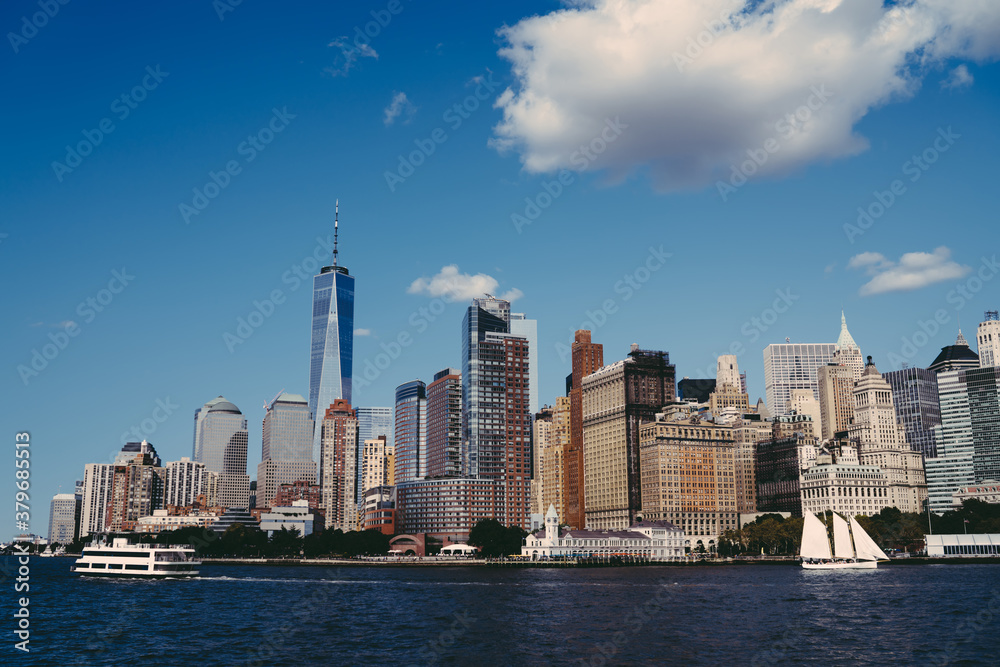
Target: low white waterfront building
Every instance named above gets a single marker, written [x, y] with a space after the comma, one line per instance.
[963, 546]
[162, 521]
[654, 540]
[297, 516]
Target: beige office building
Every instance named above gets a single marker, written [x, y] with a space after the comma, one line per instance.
[836, 399]
[689, 478]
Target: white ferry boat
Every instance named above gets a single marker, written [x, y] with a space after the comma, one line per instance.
[147, 561]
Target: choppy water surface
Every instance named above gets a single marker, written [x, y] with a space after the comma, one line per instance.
[741, 615]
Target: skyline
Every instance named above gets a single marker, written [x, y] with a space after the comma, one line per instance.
[152, 295]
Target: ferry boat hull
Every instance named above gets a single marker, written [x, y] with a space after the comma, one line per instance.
[136, 561]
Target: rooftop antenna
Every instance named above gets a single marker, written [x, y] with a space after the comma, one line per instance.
[336, 226]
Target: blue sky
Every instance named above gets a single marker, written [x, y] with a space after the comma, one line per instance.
[331, 130]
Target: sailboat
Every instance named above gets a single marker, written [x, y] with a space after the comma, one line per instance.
[861, 553]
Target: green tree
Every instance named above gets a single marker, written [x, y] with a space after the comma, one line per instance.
[495, 540]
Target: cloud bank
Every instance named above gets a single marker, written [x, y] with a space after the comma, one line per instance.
[700, 83]
[913, 270]
[451, 285]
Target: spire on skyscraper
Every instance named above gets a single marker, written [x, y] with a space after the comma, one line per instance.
[961, 339]
[845, 341]
[336, 228]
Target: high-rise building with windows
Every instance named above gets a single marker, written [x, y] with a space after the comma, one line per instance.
[337, 475]
[96, 491]
[377, 464]
[185, 480]
[616, 400]
[222, 446]
[952, 468]
[528, 330]
[136, 489]
[587, 357]
[551, 433]
[372, 423]
[64, 518]
[915, 395]
[835, 385]
[411, 431]
[988, 340]
[287, 447]
[881, 441]
[790, 366]
[331, 351]
[485, 315]
[848, 353]
[444, 424]
[955, 357]
[688, 478]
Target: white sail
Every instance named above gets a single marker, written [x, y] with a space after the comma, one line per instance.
[841, 538]
[815, 543]
[865, 545]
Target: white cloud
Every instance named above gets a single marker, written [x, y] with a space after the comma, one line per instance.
[350, 53]
[913, 271]
[694, 109]
[454, 286]
[362, 332]
[397, 107]
[960, 77]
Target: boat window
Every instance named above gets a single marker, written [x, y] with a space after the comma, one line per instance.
[135, 566]
[98, 566]
[114, 566]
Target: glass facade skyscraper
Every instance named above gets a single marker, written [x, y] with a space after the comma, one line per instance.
[411, 431]
[915, 394]
[790, 366]
[287, 447]
[331, 352]
[483, 316]
[222, 446]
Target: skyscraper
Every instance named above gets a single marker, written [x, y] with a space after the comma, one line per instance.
[444, 424]
[331, 354]
[835, 384]
[287, 447]
[372, 423]
[848, 353]
[136, 489]
[222, 446]
[882, 442]
[377, 464]
[96, 492]
[528, 329]
[955, 357]
[504, 430]
[486, 315]
[915, 395]
[616, 399]
[64, 517]
[790, 366]
[337, 475]
[587, 357]
[185, 480]
[988, 339]
[411, 431]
